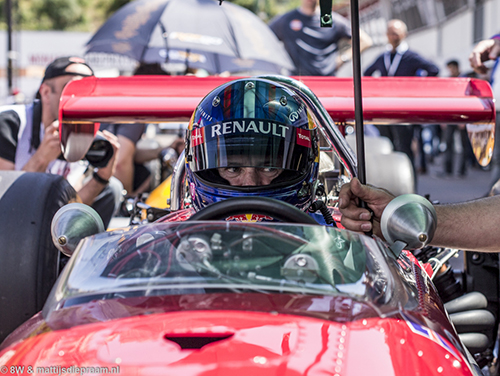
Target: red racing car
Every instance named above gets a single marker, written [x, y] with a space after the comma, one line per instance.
[194, 293]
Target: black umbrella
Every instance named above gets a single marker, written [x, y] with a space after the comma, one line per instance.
[196, 33]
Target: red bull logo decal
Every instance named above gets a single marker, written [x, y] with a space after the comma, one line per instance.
[249, 218]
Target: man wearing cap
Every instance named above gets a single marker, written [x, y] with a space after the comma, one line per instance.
[29, 138]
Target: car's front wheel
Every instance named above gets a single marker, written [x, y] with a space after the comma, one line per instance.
[29, 262]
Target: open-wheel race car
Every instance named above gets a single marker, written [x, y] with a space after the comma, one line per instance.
[245, 284]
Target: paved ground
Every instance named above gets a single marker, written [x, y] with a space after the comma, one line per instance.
[450, 189]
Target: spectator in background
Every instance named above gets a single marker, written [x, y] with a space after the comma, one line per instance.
[133, 175]
[454, 70]
[399, 60]
[126, 170]
[455, 229]
[131, 167]
[29, 140]
[315, 50]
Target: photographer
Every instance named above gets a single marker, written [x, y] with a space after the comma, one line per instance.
[29, 140]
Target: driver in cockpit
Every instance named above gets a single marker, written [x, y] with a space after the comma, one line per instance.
[253, 137]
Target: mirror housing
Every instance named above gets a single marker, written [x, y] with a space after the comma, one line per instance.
[76, 139]
[72, 223]
[408, 221]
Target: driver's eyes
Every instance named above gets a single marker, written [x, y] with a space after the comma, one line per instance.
[228, 172]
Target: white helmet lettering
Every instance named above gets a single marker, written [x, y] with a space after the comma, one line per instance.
[244, 126]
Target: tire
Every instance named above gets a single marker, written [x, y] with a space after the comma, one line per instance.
[29, 262]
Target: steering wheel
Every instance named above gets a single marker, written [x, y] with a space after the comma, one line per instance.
[276, 209]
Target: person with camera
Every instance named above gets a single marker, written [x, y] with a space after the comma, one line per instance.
[29, 140]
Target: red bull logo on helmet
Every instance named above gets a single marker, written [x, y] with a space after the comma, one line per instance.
[249, 218]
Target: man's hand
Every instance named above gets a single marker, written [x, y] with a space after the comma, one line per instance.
[356, 218]
[488, 49]
[49, 150]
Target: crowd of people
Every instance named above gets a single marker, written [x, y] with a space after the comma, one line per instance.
[29, 135]
[320, 51]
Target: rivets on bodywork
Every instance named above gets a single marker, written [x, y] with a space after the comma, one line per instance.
[216, 101]
[340, 353]
[456, 364]
[249, 85]
[420, 353]
[283, 101]
[402, 341]
[62, 240]
[422, 238]
[440, 369]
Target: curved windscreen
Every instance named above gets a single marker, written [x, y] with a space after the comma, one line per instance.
[205, 257]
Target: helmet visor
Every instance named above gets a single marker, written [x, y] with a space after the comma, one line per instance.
[270, 146]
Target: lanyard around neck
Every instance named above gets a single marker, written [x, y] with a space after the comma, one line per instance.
[393, 67]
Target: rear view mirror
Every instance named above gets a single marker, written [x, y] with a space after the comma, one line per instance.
[72, 223]
[482, 139]
[409, 221]
[76, 139]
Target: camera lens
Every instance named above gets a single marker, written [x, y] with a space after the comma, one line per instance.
[100, 152]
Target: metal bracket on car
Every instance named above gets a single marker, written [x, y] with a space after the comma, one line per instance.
[175, 185]
[440, 259]
[326, 13]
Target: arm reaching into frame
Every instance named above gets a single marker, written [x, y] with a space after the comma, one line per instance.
[471, 225]
[488, 49]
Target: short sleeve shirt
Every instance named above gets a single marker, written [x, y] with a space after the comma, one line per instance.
[16, 123]
[11, 120]
[313, 48]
